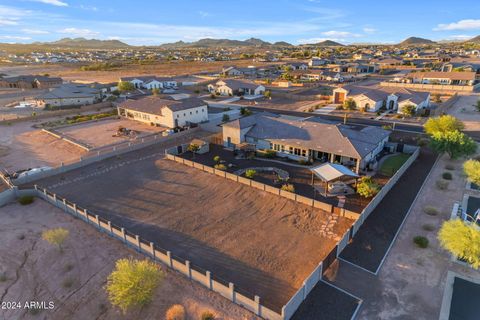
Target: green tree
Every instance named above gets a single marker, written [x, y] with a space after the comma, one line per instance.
[225, 117]
[462, 239]
[132, 283]
[472, 170]
[442, 124]
[155, 91]
[125, 86]
[245, 112]
[216, 159]
[349, 104]
[478, 105]
[267, 94]
[250, 173]
[193, 148]
[55, 236]
[455, 143]
[408, 110]
[367, 188]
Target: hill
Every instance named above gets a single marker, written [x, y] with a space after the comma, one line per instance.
[474, 40]
[85, 43]
[282, 44]
[223, 43]
[415, 41]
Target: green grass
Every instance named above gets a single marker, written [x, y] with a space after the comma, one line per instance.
[393, 163]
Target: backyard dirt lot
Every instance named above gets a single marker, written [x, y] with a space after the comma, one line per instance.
[100, 133]
[74, 280]
[264, 244]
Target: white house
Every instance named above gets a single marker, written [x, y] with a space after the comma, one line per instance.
[230, 87]
[166, 113]
[150, 82]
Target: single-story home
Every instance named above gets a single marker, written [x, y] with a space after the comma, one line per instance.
[151, 82]
[373, 98]
[30, 82]
[163, 112]
[236, 87]
[465, 78]
[68, 95]
[307, 140]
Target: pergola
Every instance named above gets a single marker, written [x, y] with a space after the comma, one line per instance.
[331, 172]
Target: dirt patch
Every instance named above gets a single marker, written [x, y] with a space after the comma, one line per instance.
[235, 231]
[37, 271]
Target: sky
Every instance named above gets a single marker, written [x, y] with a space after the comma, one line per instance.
[294, 21]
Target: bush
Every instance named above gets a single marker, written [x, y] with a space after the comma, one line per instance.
[270, 154]
[132, 283]
[442, 185]
[421, 242]
[55, 236]
[447, 176]
[431, 211]
[303, 162]
[422, 142]
[367, 188]
[450, 167]
[225, 118]
[472, 170]
[175, 312]
[250, 173]
[462, 240]
[207, 315]
[428, 227]
[220, 166]
[288, 187]
[68, 282]
[26, 200]
[3, 277]
[216, 159]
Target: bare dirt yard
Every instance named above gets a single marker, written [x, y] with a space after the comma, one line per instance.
[264, 244]
[101, 133]
[465, 110]
[22, 146]
[74, 280]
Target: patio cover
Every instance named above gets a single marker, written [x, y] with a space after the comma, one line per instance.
[332, 171]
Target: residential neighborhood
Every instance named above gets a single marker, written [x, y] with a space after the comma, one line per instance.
[292, 160]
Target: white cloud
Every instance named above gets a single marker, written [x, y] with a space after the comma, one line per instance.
[340, 34]
[8, 22]
[459, 37]
[57, 3]
[10, 16]
[79, 32]
[369, 30]
[15, 38]
[203, 14]
[34, 31]
[89, 8]
[467, 24]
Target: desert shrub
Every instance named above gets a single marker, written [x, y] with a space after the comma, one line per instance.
[175, 312]
[421, 241]
[21, 236]
[472, 170]
[367, 187]
[68, 282]
[220, 166]
[250, 173]
[422, 142]
[207, 315]
[428, 227]
[447, 176]
[225, 118]
[26, 200]
[303, 162]
[431, 211]
[3, 277]
[288, 187]
[461, 239]
[132, 283]
[68, 267]
[270, 154]
[450, 167]
[55, 236]
[442, 185]
[216, 159]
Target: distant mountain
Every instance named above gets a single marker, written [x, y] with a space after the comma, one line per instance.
[223, 43]
[474, 40]
[282, 44]
[328, 43]
[415, 41]
[86, 43]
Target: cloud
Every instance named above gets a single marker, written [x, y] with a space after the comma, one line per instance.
[8, 22]
[203, 14]
[369, 30]
[15, 38]
[57, 3]
[467, 24]
[340, 34]
[459, 37]
[34, 31]
[10, 16]
[79, 32]
[88, 8]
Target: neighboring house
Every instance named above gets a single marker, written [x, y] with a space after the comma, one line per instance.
[166, 113]
[354, 68]
[441, 78]
[371, 99]
[317, 62]
[69, 95]
[151, 82]
[297, 65]
[30, 82]
[231, 71]
[461, 67]
[234, 87]
[307, 140]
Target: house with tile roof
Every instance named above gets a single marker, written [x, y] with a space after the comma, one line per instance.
[164, 112]
[69, 94]
[373, 98]
[308, 140]
[236, 87]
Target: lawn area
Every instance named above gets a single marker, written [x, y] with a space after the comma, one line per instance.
[393, 163]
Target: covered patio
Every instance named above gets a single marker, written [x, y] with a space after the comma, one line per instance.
[336, 179]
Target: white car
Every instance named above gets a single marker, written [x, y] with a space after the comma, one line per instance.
[33, 171]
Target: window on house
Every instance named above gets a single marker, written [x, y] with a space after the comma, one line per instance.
[196, 111]
[178, 116]
[282, 148]
[304, 153]
[190, 112]
[297, 151]
[184, 114]
[290, 150]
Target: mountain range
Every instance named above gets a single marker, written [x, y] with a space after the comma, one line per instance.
[86, 43]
